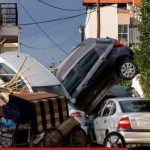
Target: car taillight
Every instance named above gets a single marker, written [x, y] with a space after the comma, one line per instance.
[118, 44]
[124, 123]
[75, 114]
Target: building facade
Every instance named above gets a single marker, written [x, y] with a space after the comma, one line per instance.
[118, 19]
[9, 29]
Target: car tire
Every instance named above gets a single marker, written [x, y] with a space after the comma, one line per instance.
[127, 69]
[114, 139]
[90, 137]
[77, 138]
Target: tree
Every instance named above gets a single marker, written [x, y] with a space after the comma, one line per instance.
[142, 52]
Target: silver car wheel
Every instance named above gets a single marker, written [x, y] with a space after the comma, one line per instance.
[127, 70]
[114, 139]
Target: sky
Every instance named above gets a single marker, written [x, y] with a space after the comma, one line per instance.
[63, 33]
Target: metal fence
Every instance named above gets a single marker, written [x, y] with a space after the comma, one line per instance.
[8, 14]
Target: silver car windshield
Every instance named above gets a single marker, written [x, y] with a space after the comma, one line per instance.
[135, 106]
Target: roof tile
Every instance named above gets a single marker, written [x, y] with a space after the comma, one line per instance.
[110, 1]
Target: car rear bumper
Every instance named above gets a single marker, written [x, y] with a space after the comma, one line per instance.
[136, 137]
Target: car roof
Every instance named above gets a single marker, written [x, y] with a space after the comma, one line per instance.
[35, 73]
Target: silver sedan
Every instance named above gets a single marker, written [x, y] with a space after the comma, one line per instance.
[123, 122]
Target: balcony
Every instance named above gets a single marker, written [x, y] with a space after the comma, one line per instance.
[9, 22]
[8, 14]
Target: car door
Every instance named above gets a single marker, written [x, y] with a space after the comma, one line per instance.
[101, 123]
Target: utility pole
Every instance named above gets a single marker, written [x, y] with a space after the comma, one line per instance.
[82, 34]
[98, 19]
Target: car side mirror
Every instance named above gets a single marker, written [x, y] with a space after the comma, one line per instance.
[98, 114]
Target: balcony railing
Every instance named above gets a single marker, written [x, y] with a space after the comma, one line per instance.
[8, 14]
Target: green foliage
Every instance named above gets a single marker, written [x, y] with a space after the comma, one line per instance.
[142, 52]
[125, 83]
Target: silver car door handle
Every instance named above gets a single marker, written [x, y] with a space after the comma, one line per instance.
[105, 121]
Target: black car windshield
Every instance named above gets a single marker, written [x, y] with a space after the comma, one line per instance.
[56, 89]
[135, 106]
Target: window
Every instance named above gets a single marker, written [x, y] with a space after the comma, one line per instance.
[71, 81]
[110, 109]
[135, 106]
[7, 74]
[113, 108]
[88, 61]
[107, 109]
[5, 71]
[122, 6]
[101, 109]
[123, 31]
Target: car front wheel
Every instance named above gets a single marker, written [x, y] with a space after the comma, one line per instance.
[127, 70]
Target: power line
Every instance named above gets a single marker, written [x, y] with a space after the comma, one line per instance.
[49, 27]
[64, 9]
[42, 29]
[64, 18]
[53, 20]
[28, 46]
[66, 40]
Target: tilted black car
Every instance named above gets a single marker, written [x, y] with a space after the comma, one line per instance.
[92, 68]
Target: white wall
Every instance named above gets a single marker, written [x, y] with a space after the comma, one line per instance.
[109, 22]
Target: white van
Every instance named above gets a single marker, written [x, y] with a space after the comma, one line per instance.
[20, 72]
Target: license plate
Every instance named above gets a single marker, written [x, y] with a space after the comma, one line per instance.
[143, 123]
